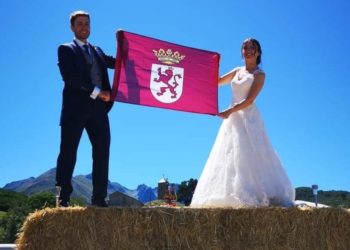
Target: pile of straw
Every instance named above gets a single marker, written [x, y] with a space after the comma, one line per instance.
[171, 228]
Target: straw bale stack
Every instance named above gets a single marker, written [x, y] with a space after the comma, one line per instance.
[185, 228]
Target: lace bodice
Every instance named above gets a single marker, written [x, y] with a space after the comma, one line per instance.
[241, 83]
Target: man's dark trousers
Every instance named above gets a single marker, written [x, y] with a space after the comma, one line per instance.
[96, 124]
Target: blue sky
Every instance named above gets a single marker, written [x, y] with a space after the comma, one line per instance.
[305, 101]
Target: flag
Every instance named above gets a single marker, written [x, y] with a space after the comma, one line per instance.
[161, 74]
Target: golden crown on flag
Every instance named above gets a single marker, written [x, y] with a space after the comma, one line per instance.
[168, 57]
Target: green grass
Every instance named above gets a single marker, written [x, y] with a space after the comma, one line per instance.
[156, 203]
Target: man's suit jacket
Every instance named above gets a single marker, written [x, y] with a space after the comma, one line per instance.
[78, 86]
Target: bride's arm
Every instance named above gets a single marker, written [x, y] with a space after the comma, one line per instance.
[227, 77]
[257, 85]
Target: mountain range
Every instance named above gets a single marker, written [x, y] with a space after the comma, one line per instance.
[82, 186]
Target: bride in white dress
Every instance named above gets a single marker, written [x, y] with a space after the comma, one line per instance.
[243, 170]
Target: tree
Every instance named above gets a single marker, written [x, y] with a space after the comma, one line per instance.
[10, 199]
[42, 200]
[331, 198]
[11, 223]
[186, 190]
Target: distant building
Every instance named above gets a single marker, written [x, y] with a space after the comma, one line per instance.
[163, 185]
[119, 199]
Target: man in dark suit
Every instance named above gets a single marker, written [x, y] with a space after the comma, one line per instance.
[86, 103]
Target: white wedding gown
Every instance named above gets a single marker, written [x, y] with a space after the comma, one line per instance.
[243, 170]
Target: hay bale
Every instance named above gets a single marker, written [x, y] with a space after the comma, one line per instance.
[171, 228]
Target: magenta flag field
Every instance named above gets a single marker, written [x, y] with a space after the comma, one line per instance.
[161, 74]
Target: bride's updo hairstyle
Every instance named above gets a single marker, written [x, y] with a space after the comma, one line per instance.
[256, 45]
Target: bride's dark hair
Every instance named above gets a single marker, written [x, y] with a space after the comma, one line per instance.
[258, 47]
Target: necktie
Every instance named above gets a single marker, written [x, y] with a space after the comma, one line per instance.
[86, 47]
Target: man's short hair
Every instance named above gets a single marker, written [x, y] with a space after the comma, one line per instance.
[77, 13]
